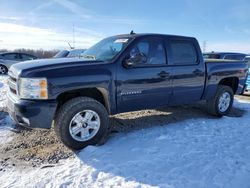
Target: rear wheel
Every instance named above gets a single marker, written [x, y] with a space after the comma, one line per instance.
[3, 69]
[80, 122]
[221, 104]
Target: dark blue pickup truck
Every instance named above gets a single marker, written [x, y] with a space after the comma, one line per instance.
[119, 74]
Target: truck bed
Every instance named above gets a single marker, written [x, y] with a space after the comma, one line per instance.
[219, 69]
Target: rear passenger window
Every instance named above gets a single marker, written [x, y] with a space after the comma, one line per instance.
[183, 53]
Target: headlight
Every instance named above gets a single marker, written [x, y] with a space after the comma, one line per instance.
[33, 88]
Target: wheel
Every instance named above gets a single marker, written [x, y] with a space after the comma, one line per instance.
[221, 104]
[80, 122]
[3, 69]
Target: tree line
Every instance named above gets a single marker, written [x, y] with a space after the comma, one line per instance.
[40, 53]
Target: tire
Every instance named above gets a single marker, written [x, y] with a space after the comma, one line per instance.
[79, 114]
[221, 107]
[3, 69]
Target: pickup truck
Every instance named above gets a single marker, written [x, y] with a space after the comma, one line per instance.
[119, 74]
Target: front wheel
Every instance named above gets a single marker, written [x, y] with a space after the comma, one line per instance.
[222, 103]
[80, 122]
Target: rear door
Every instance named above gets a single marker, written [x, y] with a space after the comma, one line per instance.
[148, 84]
[188, 70]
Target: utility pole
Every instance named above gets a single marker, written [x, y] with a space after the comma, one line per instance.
[73, 36]
[204, 46]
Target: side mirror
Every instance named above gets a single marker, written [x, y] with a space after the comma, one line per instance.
[128, 63]
[136, 59]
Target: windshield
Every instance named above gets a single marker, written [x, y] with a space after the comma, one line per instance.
[106, 49]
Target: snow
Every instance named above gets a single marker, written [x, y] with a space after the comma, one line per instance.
[5, 121]
[3, 90]
[193, 153]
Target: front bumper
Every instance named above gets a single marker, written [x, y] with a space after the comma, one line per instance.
[31, 113]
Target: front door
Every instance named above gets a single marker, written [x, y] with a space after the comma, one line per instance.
[146, 83]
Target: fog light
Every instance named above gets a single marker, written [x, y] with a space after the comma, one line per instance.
[26, 120]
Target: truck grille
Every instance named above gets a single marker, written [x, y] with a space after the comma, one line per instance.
[12, 83]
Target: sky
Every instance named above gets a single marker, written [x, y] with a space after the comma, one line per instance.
[222, 25]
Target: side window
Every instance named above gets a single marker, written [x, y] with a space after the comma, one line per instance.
[13, 56]
[26, 57]
[141, 48]
[153, 50]
[183, 53]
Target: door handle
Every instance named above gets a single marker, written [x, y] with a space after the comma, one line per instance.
[163, 74]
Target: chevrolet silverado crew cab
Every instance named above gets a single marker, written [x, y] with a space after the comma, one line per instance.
[119, 74]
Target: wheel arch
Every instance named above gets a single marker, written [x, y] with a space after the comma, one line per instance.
[232, 82]
[97, 93]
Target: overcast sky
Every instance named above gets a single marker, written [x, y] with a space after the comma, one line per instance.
[48, 24]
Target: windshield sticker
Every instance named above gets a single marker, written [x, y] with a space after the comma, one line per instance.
[121, 40]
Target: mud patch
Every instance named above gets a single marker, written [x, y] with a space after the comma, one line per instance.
[33, 148]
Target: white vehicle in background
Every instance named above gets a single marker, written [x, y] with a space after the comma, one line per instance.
[70, 53]
[9, 58]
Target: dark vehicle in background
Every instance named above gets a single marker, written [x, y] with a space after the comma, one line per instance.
[119, 74]
[69, 53]
[224, 55]
[9, 58]
[247, 59]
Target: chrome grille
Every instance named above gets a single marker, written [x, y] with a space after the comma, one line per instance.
[12, 83]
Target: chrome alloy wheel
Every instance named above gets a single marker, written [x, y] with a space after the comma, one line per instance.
[224, 102]
[84, 125]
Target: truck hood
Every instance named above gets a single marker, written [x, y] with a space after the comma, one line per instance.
[39, 64]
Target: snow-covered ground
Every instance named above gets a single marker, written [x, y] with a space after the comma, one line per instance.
[193, 153]
[5, 121]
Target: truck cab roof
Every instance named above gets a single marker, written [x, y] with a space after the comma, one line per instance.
[135, 35]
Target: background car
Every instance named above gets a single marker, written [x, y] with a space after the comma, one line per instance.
[247, 58]
[9, 58]
[75, 53]
[69, 53]
[224, 55]
[61, 54]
